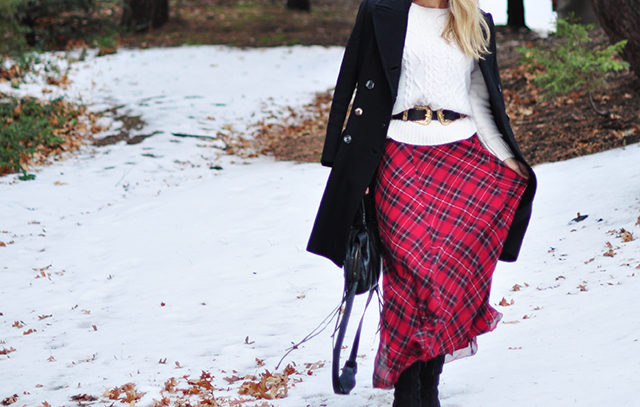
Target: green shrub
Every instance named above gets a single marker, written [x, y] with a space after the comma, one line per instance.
[28, 126]
[572, 62]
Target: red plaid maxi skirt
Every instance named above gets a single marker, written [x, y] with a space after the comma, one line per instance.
[444, 212]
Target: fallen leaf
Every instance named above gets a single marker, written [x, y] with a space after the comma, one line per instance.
[609, 253]
[41, 317]
[260, 362]
[505, 303]
[83, 397]
[516, 287]
[246, 341]
[511, 322]
[95, 328]
[626, 236]
[9, 400]
[582, 287]
[30, 331]
[590, 260]
[6, 351]
[50, 359]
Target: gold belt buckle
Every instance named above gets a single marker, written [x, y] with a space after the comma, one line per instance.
[427, 116]
[441, 118]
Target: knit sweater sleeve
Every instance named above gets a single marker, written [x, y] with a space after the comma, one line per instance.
[488, 132]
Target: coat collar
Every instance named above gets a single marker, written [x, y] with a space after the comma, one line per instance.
[390, 26]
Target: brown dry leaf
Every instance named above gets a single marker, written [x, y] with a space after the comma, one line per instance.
[128, 391]
[516, 287]
[609, 245]
[246, 341]
[260, 362]
[270, 386]
[42, 269]
[590, 260]
[625, 235]
[232, 379]
[582, 287]
[3, 244]
[9, 400]
[41, 317]
[46, 404]
[83, 397]
[18, 324]
[6, 351]
[511, 322]
[610, 253]
[29, 332]
[638, 221]
[50, 359]
[505, 303]
[170, 385]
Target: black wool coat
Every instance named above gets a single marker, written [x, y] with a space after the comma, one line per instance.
[371, 66]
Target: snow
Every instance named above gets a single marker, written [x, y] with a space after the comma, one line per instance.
[155, 257]
[538, 13]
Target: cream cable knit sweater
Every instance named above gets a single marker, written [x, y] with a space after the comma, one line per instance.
[436, 73]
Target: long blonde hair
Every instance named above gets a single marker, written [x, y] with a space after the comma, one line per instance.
[467, 28]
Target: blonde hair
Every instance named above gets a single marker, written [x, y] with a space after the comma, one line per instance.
[467, 28]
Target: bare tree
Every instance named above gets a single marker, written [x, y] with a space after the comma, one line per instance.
[515, 12]
[620, 19]
[144, 14]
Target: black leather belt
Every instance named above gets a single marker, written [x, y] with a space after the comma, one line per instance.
[423, 115]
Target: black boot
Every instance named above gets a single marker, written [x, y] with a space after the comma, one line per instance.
[429, 380]
[407, 388]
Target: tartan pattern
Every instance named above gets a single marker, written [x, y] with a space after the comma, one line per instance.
[444, 212]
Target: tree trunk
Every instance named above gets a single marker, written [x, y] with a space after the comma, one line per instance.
[515, 11]
[299, 5]
[144, 14]
[620, 19]
[580, 8]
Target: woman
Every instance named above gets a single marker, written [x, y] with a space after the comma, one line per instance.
[428, 135]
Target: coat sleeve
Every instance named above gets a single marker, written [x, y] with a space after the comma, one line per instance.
[346, 84]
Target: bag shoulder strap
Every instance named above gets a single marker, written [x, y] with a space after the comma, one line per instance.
[345, 382]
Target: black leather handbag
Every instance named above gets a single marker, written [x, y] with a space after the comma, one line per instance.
[361, 274]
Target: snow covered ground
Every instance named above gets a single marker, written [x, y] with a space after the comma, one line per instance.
[146, 262]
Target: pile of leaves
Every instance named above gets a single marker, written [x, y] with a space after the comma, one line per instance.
[32, 130]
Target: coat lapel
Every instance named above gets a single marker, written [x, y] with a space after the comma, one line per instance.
[390, 26]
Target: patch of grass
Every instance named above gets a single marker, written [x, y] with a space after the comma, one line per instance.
[31, 130]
